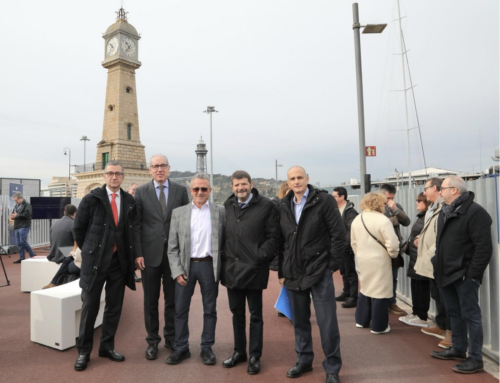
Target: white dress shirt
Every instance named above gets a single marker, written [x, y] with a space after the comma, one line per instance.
[201, 231]
[117, 199]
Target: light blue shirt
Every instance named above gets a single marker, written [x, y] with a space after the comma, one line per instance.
[157, 189]
[299, 206]
[246, 202]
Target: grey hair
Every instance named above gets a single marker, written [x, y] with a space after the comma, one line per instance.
[114, 163]
[201, 176]
[459, 183]
[158, 155]
[17, 195]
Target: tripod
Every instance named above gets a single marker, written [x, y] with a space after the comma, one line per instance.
[2, 251]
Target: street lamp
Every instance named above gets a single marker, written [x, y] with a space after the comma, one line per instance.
[370, 28]
[67, 152]
[277, 166]
[210, 110]
[84, 139]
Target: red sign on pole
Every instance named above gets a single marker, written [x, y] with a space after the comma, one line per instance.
[371, 151]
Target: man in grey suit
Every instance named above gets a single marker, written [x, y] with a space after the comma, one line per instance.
[61, 234]
[194, 247]
[154, 203]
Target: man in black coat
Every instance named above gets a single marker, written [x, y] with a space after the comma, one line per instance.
[463, 251]
[252, 239]
[61, 234]
[21, 215]
[314, 242]
[103, 231]
[348, 267]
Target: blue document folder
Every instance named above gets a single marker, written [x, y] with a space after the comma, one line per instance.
[283, 303]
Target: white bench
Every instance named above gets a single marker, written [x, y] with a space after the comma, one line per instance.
[36, 273]
[55, 315]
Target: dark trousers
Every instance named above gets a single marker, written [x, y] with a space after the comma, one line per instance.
[392, 301]
[420, 297]
[203, 272]
[151, 282]
[67, 267]
[323, 294]
[349, 275]
[237, 298]
[115, 289]
[462, 302]
[373, 312]
[442, 317]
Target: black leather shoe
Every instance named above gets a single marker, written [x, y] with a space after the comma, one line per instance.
[152, 352]
[81, 362]
[234, 360]
[469, 366]
[136, 278]
[169, 343]
[449, 354]
[208, 357]
[253, 366]
[332, 378]
[18, 261]
[178, 356]
[342, 297]
[298, 370]
[112, 355]
[350, 303]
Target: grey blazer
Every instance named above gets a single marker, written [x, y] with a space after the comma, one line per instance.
[61, 235]
[151, 228]
[179, 243]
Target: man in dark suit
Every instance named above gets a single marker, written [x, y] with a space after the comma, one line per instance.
[103, 230]
[61, 234]
[155, 202]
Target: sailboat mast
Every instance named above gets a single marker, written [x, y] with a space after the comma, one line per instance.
[404, 91]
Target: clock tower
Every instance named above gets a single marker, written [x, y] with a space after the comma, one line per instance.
[120, 134]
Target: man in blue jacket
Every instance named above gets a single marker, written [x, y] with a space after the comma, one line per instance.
[463, 251]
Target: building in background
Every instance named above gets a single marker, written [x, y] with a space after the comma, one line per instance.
[60, 187]
[31, 187]
[201, 156]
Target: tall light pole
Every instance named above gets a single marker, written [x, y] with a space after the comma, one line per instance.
[370, 28]
[277, 166]
[210, 110]
[84, 139]
[67, 152]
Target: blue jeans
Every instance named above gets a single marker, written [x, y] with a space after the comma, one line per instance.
[462, 303]
[22, 242]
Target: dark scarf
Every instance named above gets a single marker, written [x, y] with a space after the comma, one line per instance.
[448, 210]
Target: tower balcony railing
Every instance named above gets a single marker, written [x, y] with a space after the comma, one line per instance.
[132, 165]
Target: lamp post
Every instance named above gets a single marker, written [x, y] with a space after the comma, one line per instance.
[84, 139]
[210, 110]
[277, 166]
[370, 28]
[67, 152]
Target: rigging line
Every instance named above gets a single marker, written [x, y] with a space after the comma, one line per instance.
[415, 105]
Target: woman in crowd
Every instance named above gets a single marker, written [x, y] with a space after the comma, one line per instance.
[420, 286]
[374, 244]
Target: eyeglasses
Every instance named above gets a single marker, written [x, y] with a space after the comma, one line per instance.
[196, 190]
[449, 187]
[427, 187]
[162, 166]
[111, 174]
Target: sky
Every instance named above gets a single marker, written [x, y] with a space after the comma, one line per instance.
[281, 73]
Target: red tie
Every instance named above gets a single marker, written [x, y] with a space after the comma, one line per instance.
[114, 209]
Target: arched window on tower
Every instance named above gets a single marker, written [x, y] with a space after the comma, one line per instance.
[128, 89]
[129, 131]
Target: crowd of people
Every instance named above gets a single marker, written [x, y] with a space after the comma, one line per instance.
[305, 234]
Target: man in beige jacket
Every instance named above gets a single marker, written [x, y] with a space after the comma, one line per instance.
[426, 243]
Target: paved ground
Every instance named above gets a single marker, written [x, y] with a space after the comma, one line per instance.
[400, 356]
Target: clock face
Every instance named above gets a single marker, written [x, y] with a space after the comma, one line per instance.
[112, 47]
[128, 47]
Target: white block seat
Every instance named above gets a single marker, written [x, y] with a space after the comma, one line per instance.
[55, 315]
[36, 273]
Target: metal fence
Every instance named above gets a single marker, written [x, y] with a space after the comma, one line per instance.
[40, 228]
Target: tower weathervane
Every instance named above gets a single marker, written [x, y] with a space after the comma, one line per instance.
[121, 14]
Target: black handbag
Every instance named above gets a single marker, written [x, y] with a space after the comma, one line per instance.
[406, 246]
[395, 262]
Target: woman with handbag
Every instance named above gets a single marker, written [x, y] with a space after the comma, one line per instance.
[420, 286]
[374, 244]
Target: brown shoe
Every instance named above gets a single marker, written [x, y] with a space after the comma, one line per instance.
[434, 331]
[395, 309]
[446, 342]
[50, 285]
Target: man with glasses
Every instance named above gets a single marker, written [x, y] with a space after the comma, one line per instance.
[463, 251]
[155, 202]
[103, 231]
[194, 246]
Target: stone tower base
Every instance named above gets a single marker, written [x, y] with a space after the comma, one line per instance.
[91, 180]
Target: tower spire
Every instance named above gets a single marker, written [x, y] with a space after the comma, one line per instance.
[121, 14]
